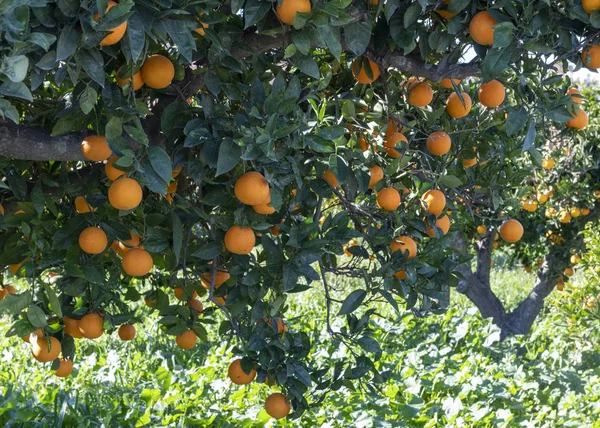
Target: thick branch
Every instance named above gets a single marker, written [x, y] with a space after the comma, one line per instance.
[33, 143]
[415, 66]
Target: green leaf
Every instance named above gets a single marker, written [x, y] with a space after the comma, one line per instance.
[136, 35]
[209, 251]
[530, 137]
[254, 11]
[38, 199]
[92, 64]
[7, 110]
[53, 299]
[36, 317]
[44, 40]
[67, 43]
[182, 36]
[177, 235]
[352, 302]
[358, 36]
[88, 99]
[306, 64]
[161, 162]
[496, 61]
[517, 118]
[230, 154]
[412, 14]
[16, 90]
[15, 303]
[331, 133]
[503, 34]
[331, 36]
[15, 68]
[450, 181]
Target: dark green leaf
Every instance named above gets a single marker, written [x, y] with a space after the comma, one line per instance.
[352, 302]
[230, 154]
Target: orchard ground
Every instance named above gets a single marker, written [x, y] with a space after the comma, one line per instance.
[446, 370]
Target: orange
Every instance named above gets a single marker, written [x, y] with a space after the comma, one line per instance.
[238, 375]
[575, 212]
[1, 209]
[186, 340]
[91, 326]
[220, 300]
[361, 75]
[178, 292]
[65, 368]
[579, 121]
[128, 244]
[329, 177]
[511, 230]
[590, 5]
[447, 83]
[564, 216]
[491, 94]
[158, 71]
[72, 328]
[286, 11]
[433, 201]
[38, 332]
[442, 222]
[362, 143]
[196, 305]
[93, 240]
[14, 268]
[252, 188]
[264, 208]
[468, 163]
[111, 172]
[9, 289]
[585, 211]
[116, 33]
[575, 259]
[591, 57]
[240, 240]
[127, 332]
[481, 229]
[275, 230]
[404, 244]
[456, 108]
[125, 194]
[46, 349]
[529, 205]
[137, 262]
[277, 405]
[221, 278]
[376, 175]
[541, 197]
[200, 30]
[95, 148]
[388, 198]
[439, 143]
[575, 93]
[420, 94]
[481, 29]
[400, 275]
[569, 271]
[82, 206]
[138, 82]
[391, 140]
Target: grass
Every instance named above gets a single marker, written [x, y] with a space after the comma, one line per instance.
[446, 370]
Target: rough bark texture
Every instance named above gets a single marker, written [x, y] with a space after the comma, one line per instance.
[476, 286]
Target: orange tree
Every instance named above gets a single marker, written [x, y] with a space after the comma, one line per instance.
[196, 154]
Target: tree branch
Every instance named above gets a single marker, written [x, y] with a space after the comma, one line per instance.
[436, 72]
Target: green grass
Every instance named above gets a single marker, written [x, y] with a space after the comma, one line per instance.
[446, 371]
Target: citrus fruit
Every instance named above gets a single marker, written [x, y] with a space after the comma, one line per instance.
[579, 121]
[179, 294]
[137, 262]
[221, 277]
[65, 368]
[277, 405]
[93, 240]
[95, 148]
[186, 340]
[456, 108]
[72, 328]
[361, 75]
[590, 5]
[82, 206]
[116, 33]
[46, 349]
[376, 174]
[591, 57]
[240, 240]
[91, 326]
[329, 177]
[286, 11]
[439, 143]
[128, 244]
[138, 82]
[125, 194]
[111, 172]
[481, 229]
[420, 94]
[388, 198]
[237, 374]
[158, 71]
[481, 29]
[447, 83]
[575, 93]
[264, 208]
[491, 94]
[391, 140]
[404, 244]
[511, 230]
[443, 223]
[252, 188]
[433, 201]
[127, 332]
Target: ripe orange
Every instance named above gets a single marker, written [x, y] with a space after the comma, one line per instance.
[575, 93]
[568, 271]
[579, 121]
[420, 94]
[158, 71]
[391, 140]
[575, 259]
[46, 349]
[111, 172]
[585, 211]
[548, 163]
[128, 244]
[252, 188]
[221, 278]
[447, 83]
[201, 30]
[376, 175]
[38, 333]
[91, 326]
[127, 332]
[468, 163]
[442, 222]
[456, 108]
[72, 328]
[65, 368]
[541, 197]
[9, 289]
[491, 94]
[564, 216]
[14, 268]
[439, 143]
[481, 29]
[277, 405]
[329, 177]
[264, 208]
[137, 262]
[481, 229]
[186, 340]
[116, 33]
[590, 5]
[286, 11]
[400, 275]
[196, 305]
[240, 240]
[82, 206]
[529, 205]
[591, 57]
[404, 244]
[433, 201]
[511, 230]
[178, 292]
[93, 240]
[138, 82]
[95, 148]
[1, 209]
[361, 75]
[238, 375]
[388, 198]
[575, 212]
[125, 194]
